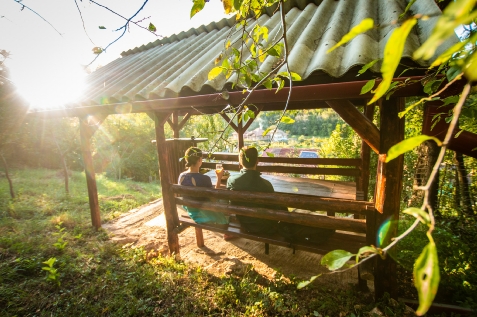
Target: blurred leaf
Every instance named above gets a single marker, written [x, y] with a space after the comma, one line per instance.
[363, 26]
[151, 27]
[50, 262]
[392, 56]
[270, 154]
[305, 283]
[336, 259]
[214, 72]
[218, 59]
[367, 66]
[276, 50]
[368, 86]
[426, 276]
[470, 67]
[364, 250]
[197, 7]
[456, 13]
[287, 120]
[251, 114]
[449, 100]
[444, 57]
[270, 128]
[228, 7]
[268, 83]
[102, 27]
[420, 214]
[227, 45]
[407, 145]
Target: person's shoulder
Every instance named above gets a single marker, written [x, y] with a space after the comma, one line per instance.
[267, 185]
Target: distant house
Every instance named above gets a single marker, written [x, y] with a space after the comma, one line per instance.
[257, 135]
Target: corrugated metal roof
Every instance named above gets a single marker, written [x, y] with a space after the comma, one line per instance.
[179, 65]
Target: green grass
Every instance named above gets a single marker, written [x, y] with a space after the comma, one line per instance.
[96, 277]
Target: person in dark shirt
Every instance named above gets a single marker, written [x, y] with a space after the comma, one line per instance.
[249, 179]
[192, 177]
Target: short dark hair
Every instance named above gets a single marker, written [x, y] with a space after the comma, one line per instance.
[248, 156]
[192, 156]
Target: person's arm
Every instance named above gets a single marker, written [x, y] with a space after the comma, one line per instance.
[219, 178]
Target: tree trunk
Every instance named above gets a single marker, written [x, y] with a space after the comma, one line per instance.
[12, 193]
[465, 202]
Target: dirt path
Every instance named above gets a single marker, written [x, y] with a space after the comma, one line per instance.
[145, 226]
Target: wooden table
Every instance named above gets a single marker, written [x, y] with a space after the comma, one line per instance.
[305, 186]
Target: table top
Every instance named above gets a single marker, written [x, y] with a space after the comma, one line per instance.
[305, 186]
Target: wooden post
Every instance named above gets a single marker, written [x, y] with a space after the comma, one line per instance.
[199, 237]
[168, 200]
[240, 132]
[365, 156]
[175, 127]
[86, 132]
[360, 124]
[388, 193]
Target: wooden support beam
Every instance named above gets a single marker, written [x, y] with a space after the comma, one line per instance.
[88, 126]
[289, 160]
[307, 202]
[240, 132]
[360, 124]
[175, 121]
[231, 123]
[306, 219]
[184, 121]
[388, 193]
[366, 156]
[251, 120]
[170, 208]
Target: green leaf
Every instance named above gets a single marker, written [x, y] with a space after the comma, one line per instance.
[275, 50]
[368, 86]
[452, 73]
[409, 5]
[102, 27]
[456, 13]
[214, 72]
[364, 251]
[428, 86]
[362, 27]
[50, 262]
[197, 7]
[336, 259]
[237, 4]
[420, 214]
[305, 283]
[270, 154]
[268, 83]
[367, 66]
[426, 276]
[449, 100]
[151, 27]
[392, 56]
[251, 114]
[294, 76]
[407, 145]
[287, 120]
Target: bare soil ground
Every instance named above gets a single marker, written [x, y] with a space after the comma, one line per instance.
[145, 226]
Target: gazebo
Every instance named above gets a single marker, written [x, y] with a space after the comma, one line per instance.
[168, 80]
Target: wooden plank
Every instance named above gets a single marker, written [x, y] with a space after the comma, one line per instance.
[288, 160]
[360, 124]
[313, 220]
[184, 121]
[170, 209]
[339, 240]
[175, 121]
[388, 193]
[231, 123]
[291, 169]
[307, 202]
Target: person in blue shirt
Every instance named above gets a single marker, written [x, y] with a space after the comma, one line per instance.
[192, 177]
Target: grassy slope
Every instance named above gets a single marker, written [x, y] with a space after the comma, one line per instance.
[98, 278]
